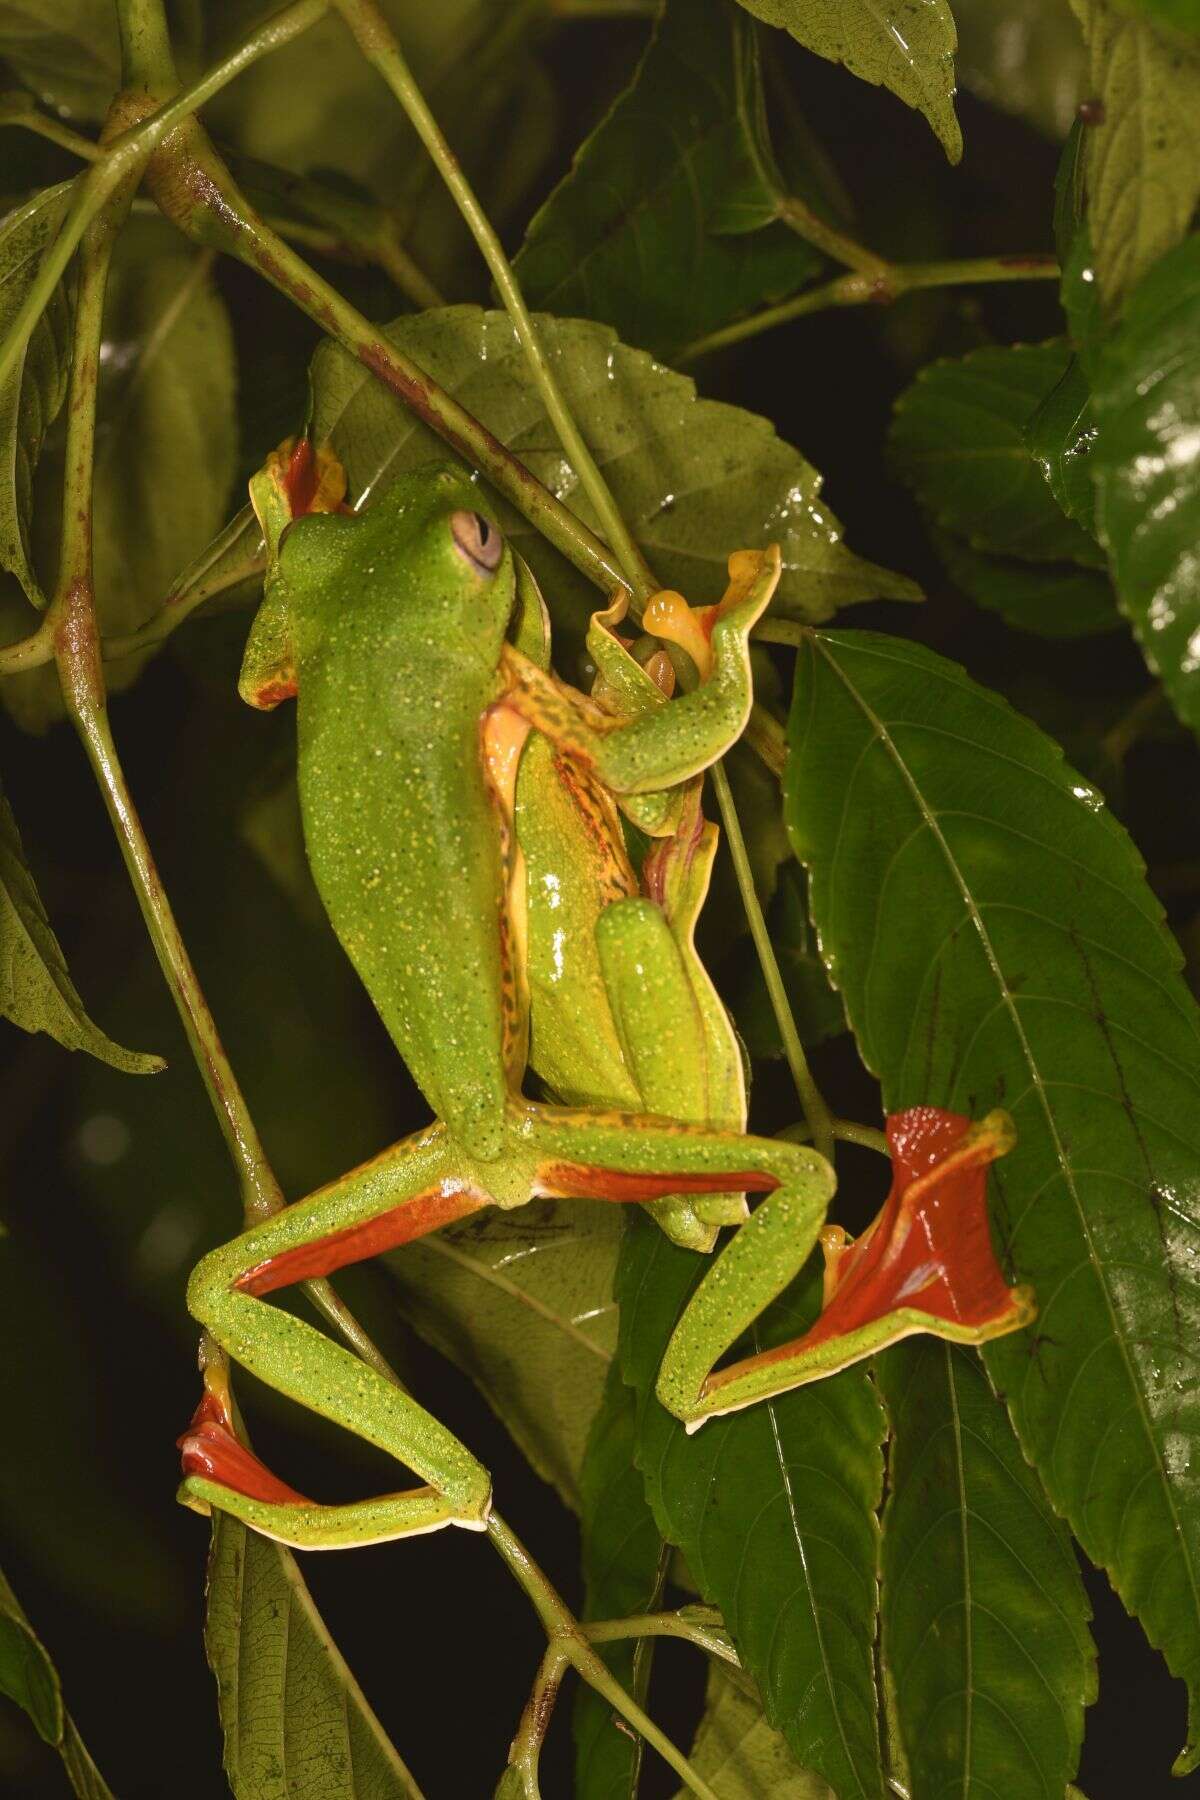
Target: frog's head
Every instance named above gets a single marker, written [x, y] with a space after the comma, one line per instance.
[420, 565]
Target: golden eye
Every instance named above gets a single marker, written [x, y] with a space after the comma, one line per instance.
[478, 540]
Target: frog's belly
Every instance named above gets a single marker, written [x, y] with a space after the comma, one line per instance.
[574, 868]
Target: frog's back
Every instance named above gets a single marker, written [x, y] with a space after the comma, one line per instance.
[401, 833]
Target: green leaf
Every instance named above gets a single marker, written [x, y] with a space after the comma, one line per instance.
[984, 1611]
[622, 1569]
[958, 440]
[522, 1303]
[995, 943]
[297, 1725]
[36, 991]
[33, 394]
[1060, 436]
[739, 1754]
[694, 479]
[774, 1510]
[29, 1677]
[67, 51]
[898, 44]
[1142, 158]
[166, 442]
[1052, 600]
[1025, 56]
[228, 570]
[667, 226]
[1146, 467]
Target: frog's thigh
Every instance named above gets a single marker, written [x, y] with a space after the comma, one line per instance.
[654, 1008]
[662, 1035]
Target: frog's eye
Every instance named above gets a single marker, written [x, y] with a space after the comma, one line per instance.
[479, 542]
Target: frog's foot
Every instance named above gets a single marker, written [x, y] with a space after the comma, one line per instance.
[926, 1265]
[219, 1471]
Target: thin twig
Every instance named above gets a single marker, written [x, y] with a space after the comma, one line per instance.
[563, 1628]
[830, 241]
[881, 289]
[19, 109]
[816, 1112]
[378, 44]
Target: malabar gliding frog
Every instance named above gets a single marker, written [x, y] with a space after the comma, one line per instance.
[459, 807]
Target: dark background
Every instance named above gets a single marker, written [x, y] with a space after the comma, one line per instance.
[112, 1186]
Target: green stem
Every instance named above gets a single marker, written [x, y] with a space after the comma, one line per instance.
[198, 194]
[22, 112]
[526, 1751]
[830, 241]
[715, 1642]
[126, 155]
[781, 631]
[811, 1099]
[378, 44]
[868, 1136]
[847, 1131]
[407, 275]
[561, 1625]
[766, 737]
[29, 652]
[1120, 738]
[857, 289]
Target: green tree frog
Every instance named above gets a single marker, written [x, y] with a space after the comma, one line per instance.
[460, 816]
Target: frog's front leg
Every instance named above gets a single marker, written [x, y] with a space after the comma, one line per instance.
[668, 744]
[415, 1187]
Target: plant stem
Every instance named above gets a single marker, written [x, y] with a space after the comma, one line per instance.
[1120, 738]
[378, 44]
[847, 1131]
[781, 631]
[816, 1112]
[127, 154]
[29, 652]
[765, 736]
[23, 112]
[830, 241]
[856, 289]
[561, 1625]
[662, 1625]
[218, 214]
[526, 1750]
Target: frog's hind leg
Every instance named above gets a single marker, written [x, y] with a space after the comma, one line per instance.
[221, 1472]
[678, 1045]
[631, 1157]
[410, 1190]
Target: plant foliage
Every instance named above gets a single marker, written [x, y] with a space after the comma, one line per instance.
[933, 260]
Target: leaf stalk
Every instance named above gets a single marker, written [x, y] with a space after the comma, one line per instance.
[859, 288]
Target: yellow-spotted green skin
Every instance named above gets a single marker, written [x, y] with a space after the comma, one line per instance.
[396, 636]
